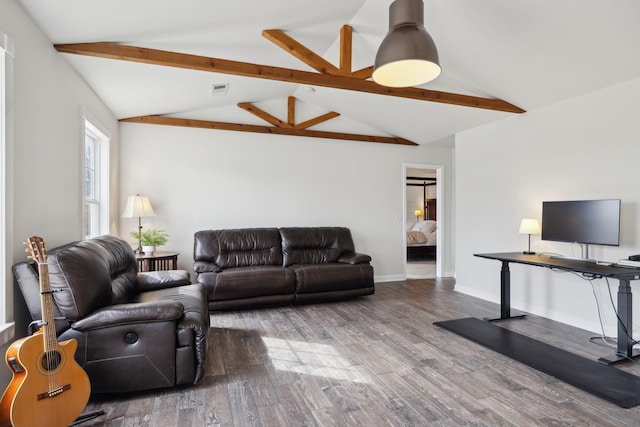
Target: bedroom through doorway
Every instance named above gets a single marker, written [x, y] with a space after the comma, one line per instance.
[421, 221]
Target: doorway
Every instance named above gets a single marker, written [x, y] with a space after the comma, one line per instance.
[422, 220]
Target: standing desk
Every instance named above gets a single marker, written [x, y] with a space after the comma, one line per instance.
[589, 269]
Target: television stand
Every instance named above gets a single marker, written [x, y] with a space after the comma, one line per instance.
[624, 276]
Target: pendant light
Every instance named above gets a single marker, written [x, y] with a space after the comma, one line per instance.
[407, 56]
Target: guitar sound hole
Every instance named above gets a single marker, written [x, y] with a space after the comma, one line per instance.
[51, 360]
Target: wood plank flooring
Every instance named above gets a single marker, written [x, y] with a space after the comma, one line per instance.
[421, 269]
[372, 361]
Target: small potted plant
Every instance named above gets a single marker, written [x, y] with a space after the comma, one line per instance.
[150, 239]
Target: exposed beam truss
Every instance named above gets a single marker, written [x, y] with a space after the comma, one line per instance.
[317, 62]
[291, 115]
[246, 69]
[206, 124]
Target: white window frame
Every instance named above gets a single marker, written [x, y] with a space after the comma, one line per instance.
[7, 49]
[93, 130]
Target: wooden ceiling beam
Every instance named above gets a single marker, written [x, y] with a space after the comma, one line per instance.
[247, 106]
[291, 115]
[346, 40]
[316, 61]
[225, 66]
[363, 74]
[291, 111]
[316, 120]
[300, 51]
[206, 124]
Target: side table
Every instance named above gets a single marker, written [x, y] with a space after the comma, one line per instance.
[158, 261]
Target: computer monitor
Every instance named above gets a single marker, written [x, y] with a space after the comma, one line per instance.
[586, 222]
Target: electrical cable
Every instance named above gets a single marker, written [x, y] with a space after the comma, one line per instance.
[590, 279]
[603, 337]
[633, 341]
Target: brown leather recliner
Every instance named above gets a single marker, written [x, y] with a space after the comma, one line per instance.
[135, 331]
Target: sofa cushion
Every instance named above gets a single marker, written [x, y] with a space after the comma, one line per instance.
[238, 247]
[312, 278]
[121, 263]
[91, 274]
[315, 245]
[152, 280]
[249, 282]
[26, 275]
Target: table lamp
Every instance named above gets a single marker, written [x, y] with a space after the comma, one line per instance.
[529, 226]
[418, 214]
[138, 206]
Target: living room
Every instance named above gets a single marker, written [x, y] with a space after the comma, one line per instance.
[577, 140]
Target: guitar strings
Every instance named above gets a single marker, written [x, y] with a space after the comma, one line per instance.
[53, 355]
[50, 339]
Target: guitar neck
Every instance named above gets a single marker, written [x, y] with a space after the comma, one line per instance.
[46, 306]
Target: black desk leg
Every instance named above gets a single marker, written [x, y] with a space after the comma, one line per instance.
[505, 291]
[505, 294]
[625, 349]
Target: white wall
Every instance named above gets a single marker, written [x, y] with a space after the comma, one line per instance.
[45, 183]
[584, 148]
[48, 150]
[202, 179]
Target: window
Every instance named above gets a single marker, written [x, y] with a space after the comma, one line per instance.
[96, 180]
[6, 300]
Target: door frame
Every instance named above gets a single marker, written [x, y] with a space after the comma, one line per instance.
[440, 212]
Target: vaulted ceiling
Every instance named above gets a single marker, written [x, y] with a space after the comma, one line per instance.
[529, 54]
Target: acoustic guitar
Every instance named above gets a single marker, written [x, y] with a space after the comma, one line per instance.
[48, 388]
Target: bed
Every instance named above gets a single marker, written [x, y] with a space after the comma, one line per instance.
[421, 239]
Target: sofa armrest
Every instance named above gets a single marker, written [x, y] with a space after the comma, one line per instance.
[206, 267]
[354, 258]
[153, 280]
[121, 314]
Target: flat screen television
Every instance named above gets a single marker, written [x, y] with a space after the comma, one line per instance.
[595, 222]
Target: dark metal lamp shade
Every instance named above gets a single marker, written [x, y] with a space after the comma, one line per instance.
[407, 56]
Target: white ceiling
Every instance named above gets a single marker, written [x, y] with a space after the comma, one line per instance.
[530, 53]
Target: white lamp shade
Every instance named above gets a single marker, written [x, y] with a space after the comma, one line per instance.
[406, 73]
[138, 206]
[529, 226]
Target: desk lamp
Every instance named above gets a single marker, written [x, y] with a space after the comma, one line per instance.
[138, 206]
[529, 226]
[418, 214]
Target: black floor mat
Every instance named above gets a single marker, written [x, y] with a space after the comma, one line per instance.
[607, 382]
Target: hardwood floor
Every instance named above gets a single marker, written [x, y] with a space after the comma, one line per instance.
[372, 361]
[421, 269]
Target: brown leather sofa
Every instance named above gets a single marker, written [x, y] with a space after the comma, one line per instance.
[257, 267]
[135, 331]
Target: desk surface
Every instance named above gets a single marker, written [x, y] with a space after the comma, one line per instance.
[580, 266]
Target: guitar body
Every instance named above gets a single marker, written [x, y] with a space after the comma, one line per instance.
[47, 389]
